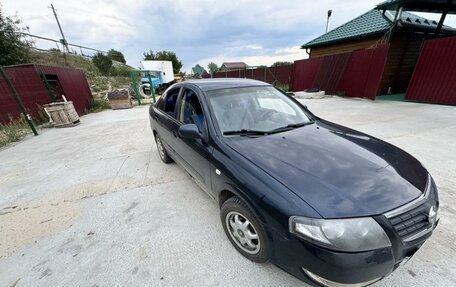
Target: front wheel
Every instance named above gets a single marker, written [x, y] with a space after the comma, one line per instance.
[244, 230]
[164, 156]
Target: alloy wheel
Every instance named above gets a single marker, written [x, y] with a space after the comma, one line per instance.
[243, 232]
[161, 149]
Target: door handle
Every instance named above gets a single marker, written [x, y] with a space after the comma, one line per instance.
[175, 134]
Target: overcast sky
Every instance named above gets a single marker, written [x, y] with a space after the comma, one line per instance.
[256, 31]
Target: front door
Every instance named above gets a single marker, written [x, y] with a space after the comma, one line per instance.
[195, 153]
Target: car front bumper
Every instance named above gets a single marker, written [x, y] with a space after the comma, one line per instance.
[314, 264]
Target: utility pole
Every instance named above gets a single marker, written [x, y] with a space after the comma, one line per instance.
[63, 41]
[327, 20]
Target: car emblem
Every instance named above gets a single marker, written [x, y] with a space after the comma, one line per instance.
[432, 215]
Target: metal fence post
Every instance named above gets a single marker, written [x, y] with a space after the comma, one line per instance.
[135, 86]
[152, 89]
[13, 92]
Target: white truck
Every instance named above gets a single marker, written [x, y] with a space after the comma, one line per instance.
[162, 74]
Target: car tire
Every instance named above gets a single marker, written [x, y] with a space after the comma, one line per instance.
[244, 230]
[164, 156]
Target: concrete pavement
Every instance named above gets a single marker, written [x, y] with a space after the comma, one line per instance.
[93, 205]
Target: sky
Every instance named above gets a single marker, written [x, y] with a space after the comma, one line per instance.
[258, 32]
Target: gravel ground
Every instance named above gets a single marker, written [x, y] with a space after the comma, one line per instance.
[93, 205]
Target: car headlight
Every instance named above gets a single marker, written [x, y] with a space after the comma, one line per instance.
[349, 235]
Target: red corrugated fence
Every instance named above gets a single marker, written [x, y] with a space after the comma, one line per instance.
[279, 74]
[434, 77]
[357, 74]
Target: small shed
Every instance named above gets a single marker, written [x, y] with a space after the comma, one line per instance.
[37, 85]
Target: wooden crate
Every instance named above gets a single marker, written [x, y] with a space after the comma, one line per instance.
[119, 99]
[123, 103]
[63, 114]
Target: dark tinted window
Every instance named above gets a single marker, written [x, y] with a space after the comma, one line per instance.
[191, 111]
[170, 102]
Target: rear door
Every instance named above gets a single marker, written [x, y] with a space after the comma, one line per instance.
[166, 118]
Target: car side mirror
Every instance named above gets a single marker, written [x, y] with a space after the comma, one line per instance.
[189, 131]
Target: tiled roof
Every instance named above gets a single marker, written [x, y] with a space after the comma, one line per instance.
[371, 23]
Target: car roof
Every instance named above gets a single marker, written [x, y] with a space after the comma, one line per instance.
[224, 83]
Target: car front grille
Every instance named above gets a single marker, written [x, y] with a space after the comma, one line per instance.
[411, 222]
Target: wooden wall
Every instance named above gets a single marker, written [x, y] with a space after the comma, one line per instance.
[343, 47]
[403, 54]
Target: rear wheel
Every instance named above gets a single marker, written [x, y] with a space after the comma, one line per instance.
[244, 230]
[164, 156]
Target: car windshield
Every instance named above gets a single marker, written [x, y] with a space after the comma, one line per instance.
[255, 110]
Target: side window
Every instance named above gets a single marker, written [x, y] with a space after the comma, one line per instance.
[170, 102]
[191, 111]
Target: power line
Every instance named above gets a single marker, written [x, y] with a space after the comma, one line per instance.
[57, 41]
[37, 17]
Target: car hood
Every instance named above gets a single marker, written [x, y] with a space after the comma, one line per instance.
[336, 170]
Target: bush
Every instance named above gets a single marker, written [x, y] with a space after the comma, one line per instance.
[102, 62]
[116, 56]
[98, 105]
[120, 71]
[13, 131]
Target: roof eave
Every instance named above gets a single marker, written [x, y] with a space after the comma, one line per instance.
[338, 41]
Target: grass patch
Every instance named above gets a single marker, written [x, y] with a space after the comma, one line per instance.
[98, 105]
[284, 87]
[14, 131]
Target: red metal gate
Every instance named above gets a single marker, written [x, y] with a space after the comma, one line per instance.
[357, 74]
[434, 77]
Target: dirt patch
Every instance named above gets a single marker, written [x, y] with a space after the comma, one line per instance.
[24, 224]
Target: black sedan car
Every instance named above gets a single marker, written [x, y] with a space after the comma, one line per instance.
[328, 204]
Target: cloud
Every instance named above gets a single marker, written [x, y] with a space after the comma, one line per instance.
[199, 31]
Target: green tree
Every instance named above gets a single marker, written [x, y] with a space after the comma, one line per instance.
[165, 56]
[280, 63]
[13, 50]
[212, 67]
[102, 62]
[115, 55]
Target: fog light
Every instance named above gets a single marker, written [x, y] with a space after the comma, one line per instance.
[329, 283]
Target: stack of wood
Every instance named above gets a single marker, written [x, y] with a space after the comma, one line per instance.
[119, 99]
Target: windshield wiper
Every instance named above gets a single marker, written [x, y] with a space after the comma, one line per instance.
[244, 132]
[290, 127]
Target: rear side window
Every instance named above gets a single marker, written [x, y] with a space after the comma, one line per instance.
[169, 106]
